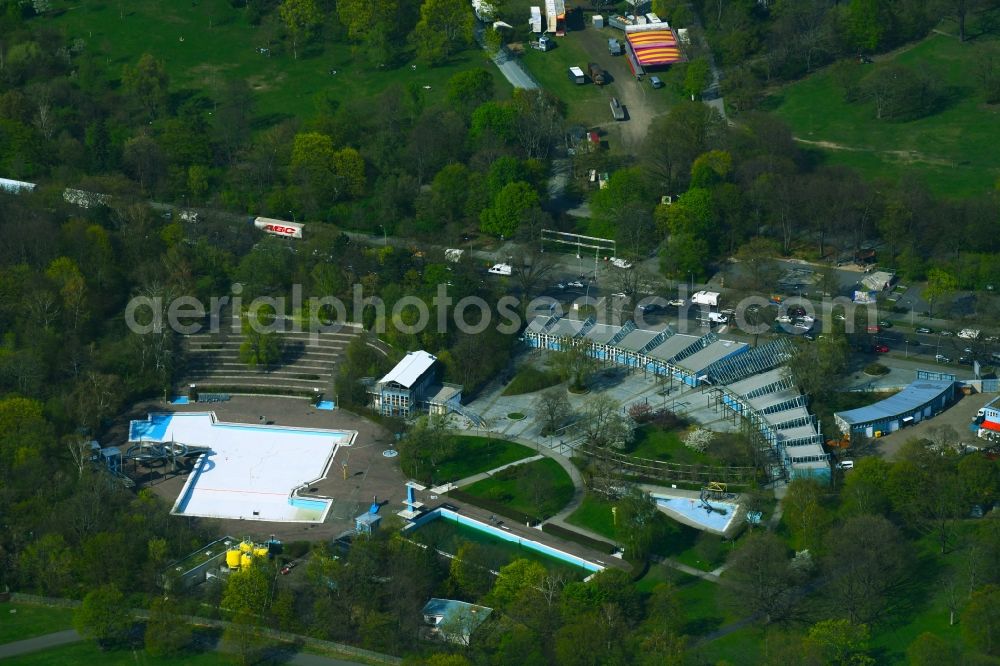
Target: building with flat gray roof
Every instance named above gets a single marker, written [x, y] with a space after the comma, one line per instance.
[920, 400]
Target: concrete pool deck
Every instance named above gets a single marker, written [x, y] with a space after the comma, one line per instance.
[684, 507]
[252, 470]
[369, 474]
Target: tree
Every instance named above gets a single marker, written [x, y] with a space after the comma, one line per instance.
[838, 643]
[470, 572]
[260, 347]
[980, 479]
[867, 561]
[445, 27]
[758, 579]
[981, 620]
[818, 365]
[758, 269]
[148, 83]
[470, 88]
[247, 590]
[636, 524]
[510, 205]
[514, 578]
[899, 92]
[696, 77]
[167, 633]
[242, 638]
[301, 17]
[553, 408]
[103, 616]
[531, 266]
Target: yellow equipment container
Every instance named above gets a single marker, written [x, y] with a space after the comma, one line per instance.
[260, 551]
[233, 558]
[246, 546]
[246, 560]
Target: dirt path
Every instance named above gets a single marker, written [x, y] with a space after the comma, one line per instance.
[634, 95]
[905, 156]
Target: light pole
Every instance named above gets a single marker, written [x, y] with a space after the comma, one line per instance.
[292, 213]
[385, 237]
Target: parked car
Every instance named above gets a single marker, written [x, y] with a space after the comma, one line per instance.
[620, 263]
[881, 349]
[287, 569]
[796, 311]
[965, 360]
[649, 307]
[560, 285]
[845, 464]
[655, 82]
[947, 334]
[941, 358]
[924, 329]
[576, 284]
[677, 302]
[783, 319]
[885, 323]
[619, 294]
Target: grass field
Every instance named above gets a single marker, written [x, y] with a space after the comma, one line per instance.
[20, 621]
[548, 490]
[587, 103]
[657, 444]
[595, 515]
[530, 379]
[953, 150]
[204, 43]
[473, 455]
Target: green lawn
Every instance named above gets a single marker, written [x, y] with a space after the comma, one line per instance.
[203, 43]
[953, 150]
[595, 515]
[587, 103]
[87, 653]
[27, 621]
[473, 455]
[657, 444]
[530, 379]
[540, 488]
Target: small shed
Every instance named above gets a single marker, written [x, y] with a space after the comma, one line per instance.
[577, 76]
[598, 21]
[367, 523]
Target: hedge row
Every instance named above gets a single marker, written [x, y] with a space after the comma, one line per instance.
[576, 537]
[493, 506]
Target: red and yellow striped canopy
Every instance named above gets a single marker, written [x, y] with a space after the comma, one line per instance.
[655, 47]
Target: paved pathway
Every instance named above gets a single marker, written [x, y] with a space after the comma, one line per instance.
[37, 643]
[469, 480]
[509, 66]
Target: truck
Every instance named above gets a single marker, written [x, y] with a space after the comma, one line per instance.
[596, 73]
[576, 75]
[278, 227]
[616, 109]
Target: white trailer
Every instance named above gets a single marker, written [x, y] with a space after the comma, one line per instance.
[709, 298]
[279, 227]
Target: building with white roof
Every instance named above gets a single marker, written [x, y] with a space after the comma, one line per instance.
[412, 385]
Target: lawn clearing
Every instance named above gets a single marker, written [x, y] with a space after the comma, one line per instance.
[204, 43]
[540, 488]
[530, 379]
[595, 515]
[472, 455]
[952, 150]
[29, 621]
[587, 103]
[655, 443]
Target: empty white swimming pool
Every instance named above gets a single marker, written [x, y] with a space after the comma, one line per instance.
[252, 471]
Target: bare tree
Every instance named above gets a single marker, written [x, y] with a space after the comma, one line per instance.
[530, 267]
[554, 409]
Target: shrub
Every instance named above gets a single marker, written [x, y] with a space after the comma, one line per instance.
[876, 369]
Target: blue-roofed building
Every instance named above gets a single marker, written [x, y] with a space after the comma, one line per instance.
[453, 621]
[920, 400]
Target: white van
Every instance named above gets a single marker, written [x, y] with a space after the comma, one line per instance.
[501, 269]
